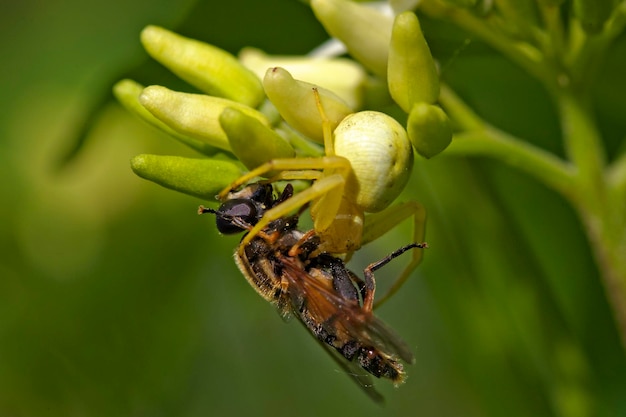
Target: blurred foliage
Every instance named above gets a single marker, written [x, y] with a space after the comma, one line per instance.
[118, 300]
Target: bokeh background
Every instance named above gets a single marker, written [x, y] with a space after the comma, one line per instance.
[116, 299]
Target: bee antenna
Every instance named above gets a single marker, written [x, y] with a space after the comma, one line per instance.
[203, 210]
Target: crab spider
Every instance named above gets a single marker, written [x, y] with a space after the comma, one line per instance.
[367, 164]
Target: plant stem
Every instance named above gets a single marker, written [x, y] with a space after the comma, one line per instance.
[534, 161]
[522, 53]
[583, 143]
[567, 68]
[596, 200]
[480, 139]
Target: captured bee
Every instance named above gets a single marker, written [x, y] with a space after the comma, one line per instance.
[367, 162]
[285, 266]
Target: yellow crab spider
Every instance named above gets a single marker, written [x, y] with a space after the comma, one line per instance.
[367, 164]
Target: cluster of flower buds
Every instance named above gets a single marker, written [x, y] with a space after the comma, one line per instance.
[394, 49]
[254, 110]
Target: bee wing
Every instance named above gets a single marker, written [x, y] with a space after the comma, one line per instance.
[304, 291]
[354, 371]
[336, 322]
[349, 315]
[385, 338]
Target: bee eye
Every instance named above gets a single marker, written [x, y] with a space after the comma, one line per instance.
[234, 212]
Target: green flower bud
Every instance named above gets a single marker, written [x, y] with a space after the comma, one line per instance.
[412, 73]
[204, 66]
[127, 93]
[380, 155]
[593, 14]
[429, 129]
[342, 76]
[365, 31]
[202, 178]
[251, 141]
[194, 115]
[295, 102]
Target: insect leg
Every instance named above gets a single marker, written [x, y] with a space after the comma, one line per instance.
[378, 224]
[370, 283]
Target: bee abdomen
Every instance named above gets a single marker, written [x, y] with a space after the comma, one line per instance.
[372, 360]
[380, 366]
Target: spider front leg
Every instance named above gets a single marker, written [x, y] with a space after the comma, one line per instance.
[331, 185]
[328, 174]
[380, 223]
[295, 168]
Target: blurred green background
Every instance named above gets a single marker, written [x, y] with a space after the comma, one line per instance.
[118, 300]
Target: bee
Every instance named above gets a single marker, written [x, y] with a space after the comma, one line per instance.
[286, 267]
[367, 162]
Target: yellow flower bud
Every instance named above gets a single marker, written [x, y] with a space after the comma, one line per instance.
[194, 115]
[342, 76]
[412, 74]
[365, 31]
[296, 103]
[204, 66]
[127, 93]
[202, 178]
[253, 142]
[429, 129]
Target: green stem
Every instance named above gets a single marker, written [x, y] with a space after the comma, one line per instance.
[523, 53]
[607, 234]
[617, 174]
[551, 14]
[568, 71]
[583, 145]
[536, 162]
[616, 24]
[586, 52]
[480, 139]
[601, 205]
[463, 115]
[597, 200]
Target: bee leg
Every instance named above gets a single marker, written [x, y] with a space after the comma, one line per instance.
[378, 224]
[295, 249]
[370, 282]
[342, 279]
[287, 193]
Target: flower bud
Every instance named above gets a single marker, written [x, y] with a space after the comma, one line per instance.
[295, 102]
[342, 76]
[412, 74]
[365, 31]
[202, 178]
[429, 129]
[206, 67]
[194, 115]
[380, 154]
[127, 93]
[252, 142]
